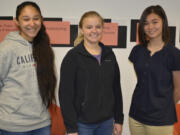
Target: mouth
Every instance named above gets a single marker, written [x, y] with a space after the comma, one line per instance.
[94, 35]
[151, 32]
[31, 30]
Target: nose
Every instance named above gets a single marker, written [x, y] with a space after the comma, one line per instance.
[31, 22]
[151, 25]
[94, 29]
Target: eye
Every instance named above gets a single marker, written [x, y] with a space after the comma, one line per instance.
[154, 22]
[26, 19]
[89, 27]
[146, 23]
[99, 27]
[36, 18]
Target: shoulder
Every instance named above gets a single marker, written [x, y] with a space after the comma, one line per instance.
[106, 49]
[172, 50]
[136, 52]
[75, 50]
[173, 57]
[138, 47]
[7, 47]
[12, 41]
[71, 55]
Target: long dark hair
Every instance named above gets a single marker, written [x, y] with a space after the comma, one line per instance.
[44, 58]
[158, 10]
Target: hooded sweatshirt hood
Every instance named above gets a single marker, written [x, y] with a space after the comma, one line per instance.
[15, 36]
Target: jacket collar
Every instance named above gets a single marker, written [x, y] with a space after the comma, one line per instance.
[81, 49]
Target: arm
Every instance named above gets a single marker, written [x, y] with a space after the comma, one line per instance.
[176, 81]
[72, 134]
[117, 129]
[66, 93]
[118, 116]
[5, 63]
[175, 67]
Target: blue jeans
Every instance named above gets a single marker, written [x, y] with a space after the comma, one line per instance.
[40, 131]
[102, 128]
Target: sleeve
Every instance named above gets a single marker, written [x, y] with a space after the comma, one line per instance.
[118, 113]
[175, 59]
[176, 80]
[5, 64]
[132, 54]
[66, 93]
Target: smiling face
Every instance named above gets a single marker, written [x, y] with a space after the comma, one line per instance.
[153, 26]
[29, 22]
[92, 28]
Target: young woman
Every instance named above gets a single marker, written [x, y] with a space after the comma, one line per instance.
[90, 92]
[157, 65]
[27, 77]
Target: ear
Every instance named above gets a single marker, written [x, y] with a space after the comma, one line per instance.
[42, 19]
[81, 31]
[16, 22]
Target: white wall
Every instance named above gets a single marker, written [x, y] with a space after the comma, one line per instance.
[115, 9]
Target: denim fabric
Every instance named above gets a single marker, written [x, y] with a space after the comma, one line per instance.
[41, 131]
[102, 128]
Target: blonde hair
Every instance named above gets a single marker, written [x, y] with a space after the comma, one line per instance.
[80, 36]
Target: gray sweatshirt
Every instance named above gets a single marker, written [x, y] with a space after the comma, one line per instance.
[21, 107]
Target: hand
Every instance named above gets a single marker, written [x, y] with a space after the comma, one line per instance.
[117, 129]
[73, 134]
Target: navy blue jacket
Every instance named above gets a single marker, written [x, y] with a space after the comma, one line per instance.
[90, 92]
